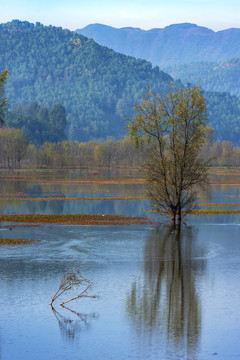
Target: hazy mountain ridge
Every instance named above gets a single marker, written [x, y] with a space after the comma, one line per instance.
[174, 44]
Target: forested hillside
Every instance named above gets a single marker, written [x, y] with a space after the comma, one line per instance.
[38, 123]
[175, 44]
[97, 86]
[212, 76]
[224, 115]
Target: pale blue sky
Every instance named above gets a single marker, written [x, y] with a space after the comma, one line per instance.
[146, 14]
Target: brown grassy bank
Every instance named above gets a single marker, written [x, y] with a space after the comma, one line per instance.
[15, 241]
[75, 219]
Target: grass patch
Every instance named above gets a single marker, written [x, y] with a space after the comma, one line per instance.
[205, 211]
[15, 241]
[214, 211]
[218, 204]
[76, 198]
[46, 181]
[232, 196]
[75, 219]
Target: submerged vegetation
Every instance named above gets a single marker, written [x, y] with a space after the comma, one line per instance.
[15, 241]
[214, 211]
[80, 219]
[75, 219]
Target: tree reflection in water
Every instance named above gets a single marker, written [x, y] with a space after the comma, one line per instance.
[71, 327]
[166, 302]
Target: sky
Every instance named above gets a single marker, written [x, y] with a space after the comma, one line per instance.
[145, 14]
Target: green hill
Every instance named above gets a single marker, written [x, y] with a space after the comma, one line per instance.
[212, 76]
[96, 85]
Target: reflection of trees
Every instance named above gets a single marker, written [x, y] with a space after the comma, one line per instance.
[71, 327]
[16, 190]
[206, 195]
[12, 186]
[11, 189]
[167, 302]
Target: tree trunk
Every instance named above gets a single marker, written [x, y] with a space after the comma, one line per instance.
[179, 216]
[173, 218]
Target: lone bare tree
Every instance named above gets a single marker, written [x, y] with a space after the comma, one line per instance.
[171, 129]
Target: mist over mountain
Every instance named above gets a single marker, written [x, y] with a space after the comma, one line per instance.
[175, 44]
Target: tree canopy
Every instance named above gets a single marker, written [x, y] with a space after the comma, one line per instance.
[39, 123]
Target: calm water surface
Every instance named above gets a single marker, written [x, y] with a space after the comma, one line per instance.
[162, 294]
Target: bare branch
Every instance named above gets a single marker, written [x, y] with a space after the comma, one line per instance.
[70, 281]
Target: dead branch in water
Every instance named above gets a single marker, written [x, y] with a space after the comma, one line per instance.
[70, 281]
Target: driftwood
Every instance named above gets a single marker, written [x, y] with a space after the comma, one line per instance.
[70, 281]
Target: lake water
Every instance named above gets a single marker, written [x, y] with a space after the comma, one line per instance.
[162, 295]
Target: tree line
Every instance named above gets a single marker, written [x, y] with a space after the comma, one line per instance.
[17, 152]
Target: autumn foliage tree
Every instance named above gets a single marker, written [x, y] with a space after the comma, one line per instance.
[171, 129]
[13, 147]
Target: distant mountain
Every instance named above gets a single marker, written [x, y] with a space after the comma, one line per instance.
[221, 76]
[175, 44]
[96, 85]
